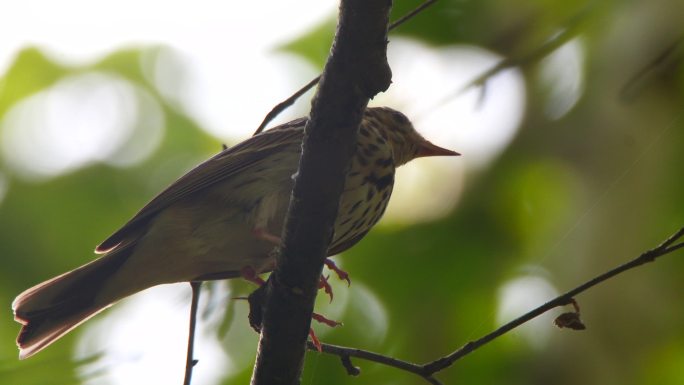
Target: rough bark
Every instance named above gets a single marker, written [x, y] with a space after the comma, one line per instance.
[356, 70]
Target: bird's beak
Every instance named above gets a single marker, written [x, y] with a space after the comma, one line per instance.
[428, 149]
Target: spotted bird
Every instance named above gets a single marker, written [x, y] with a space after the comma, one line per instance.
[218, 220]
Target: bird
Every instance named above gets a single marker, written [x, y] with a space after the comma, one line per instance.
[219, 220]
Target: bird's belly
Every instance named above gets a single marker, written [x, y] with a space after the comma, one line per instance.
[187, 242]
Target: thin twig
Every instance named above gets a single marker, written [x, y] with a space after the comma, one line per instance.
[533, 56]
[561, 300]
[411, 14]
[639, 80]
[510, 62]
[282, 106]
[345, 353]
[428, 370]
[190, 362]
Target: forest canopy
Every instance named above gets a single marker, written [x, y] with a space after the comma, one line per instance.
[568, 116]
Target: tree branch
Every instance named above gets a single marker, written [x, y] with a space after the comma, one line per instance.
[190, 362]
[282, 106]
[567, 33]
[356, 70]
[345, 354]
[428, 370]
[670, 56]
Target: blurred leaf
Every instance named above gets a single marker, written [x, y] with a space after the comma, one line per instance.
[314, 45]
[537, 199]
[30, 72]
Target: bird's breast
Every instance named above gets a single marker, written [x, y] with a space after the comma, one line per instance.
[367, 191]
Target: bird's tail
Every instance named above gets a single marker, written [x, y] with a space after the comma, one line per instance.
[50, 309]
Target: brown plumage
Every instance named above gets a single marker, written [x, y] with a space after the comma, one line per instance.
[215, 221]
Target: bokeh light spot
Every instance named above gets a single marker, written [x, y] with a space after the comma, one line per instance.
[479, 123]
[563, 77]
[143, 341]
[167, 68]
[355, 302]
[370, 315]
[522, 294]
[4, 186]
[81, 120]
[425, 190]
[147, 133]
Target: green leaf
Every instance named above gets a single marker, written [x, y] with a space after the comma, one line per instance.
[30, 72]
[313, 45]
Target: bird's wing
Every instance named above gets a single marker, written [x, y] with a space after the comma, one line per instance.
[227, 164]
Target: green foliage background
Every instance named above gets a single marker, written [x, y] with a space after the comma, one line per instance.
[575, 196]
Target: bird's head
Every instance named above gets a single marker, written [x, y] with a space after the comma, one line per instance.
[407, 144]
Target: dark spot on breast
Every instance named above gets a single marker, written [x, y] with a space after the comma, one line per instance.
[370, 194]
[368, 152]
[373, 147]
[382, 182]
[364, 131]
[356, 224]
[354, 207]
[384, 162]
[385, 195]
[362, 161]
[365, 212]
[344, 236]
[353, 173]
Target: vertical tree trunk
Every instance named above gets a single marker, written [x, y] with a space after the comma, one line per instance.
[356, 71]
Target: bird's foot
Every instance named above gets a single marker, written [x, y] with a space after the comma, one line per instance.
[325, 321]
[341, 274]
[325, 285]
[249, 274]
[315, 340]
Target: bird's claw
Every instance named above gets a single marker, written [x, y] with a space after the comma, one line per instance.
[325, 285]
[341, 274]
[249, 274]
[315, 340]
[322, 319]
